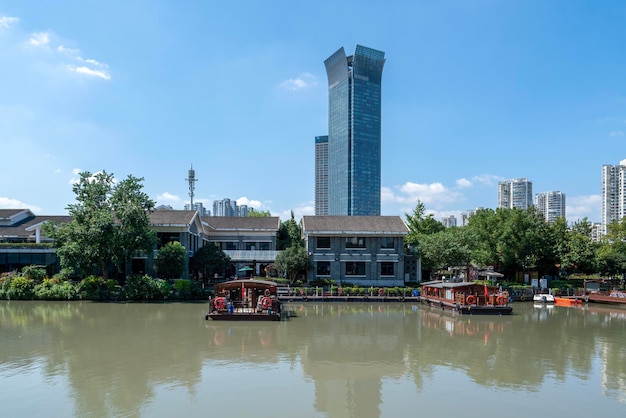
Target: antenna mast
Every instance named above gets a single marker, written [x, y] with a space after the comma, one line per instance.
[191, 178]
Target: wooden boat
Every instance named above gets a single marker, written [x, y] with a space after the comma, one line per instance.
[604, 291]
[467, 298]
[568, 301]
[543, 298]
[245, 300]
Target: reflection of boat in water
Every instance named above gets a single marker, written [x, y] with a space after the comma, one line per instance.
[245, 300]
[543, 298]
[467, 298]
[604, 291]
[462, 325]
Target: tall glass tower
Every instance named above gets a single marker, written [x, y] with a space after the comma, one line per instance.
[354, 131]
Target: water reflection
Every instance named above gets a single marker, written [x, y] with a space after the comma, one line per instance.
[350, 359]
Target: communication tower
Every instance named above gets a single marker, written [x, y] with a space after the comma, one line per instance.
[191, 178]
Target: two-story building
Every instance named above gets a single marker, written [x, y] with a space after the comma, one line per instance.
[361, 250]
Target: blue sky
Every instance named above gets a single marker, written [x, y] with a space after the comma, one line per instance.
[474, 92]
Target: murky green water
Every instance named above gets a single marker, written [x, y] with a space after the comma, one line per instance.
[356, 360]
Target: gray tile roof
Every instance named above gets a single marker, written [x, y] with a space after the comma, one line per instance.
[371, 225]
[172, 217]
[19, 231]
[248, 223]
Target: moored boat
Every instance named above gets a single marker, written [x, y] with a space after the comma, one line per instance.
[245, 300]
[467, 298]
[568, 301]
[604, 291]
[543, 298]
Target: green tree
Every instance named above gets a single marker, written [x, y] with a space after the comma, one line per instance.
[209, 260]
[292, 261]
[169, 262]
[259, 214]
[612, 250]
[446, 249]
[419, 225]
[109, 224]
[289, 234]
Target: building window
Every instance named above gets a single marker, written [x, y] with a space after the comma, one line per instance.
[323, 268]
[250, 246]
[264, 246]
[355, 268]
[387, 243]
[226, 246]
[323, 242]
[355, 242]
[386, 269]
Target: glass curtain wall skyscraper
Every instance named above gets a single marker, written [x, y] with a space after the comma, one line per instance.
[354, 131]
[321, 175]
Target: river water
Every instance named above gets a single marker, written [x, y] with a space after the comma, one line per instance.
[360, 360]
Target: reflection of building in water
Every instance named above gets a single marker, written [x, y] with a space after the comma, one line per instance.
[348, 359]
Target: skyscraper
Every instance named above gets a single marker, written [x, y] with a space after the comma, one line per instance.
[613, 193]
[516, 193]
[321, 175]
[551, 205]
[354, 131]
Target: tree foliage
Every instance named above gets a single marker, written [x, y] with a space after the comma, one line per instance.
[170, 260]
[292, 261]
[259, 214]
[110, 223]
[289, 234]
[420, 225]
[209, 260]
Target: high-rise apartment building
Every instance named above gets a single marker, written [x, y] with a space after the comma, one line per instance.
[354, 131]
[202, 211]
[551, 205]
[613, 193]
[321, 175]
[225, 207]
[515, 193]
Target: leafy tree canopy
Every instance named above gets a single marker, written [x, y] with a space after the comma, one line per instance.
[110, 223]
[170, 260]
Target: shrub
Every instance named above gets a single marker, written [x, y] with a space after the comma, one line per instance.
[53, 289]
[96, 288]
[187, 289]
[20, 288]
[34, 273]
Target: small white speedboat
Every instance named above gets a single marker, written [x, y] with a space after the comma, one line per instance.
[543, 298]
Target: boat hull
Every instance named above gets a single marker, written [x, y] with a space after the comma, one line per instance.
[468, 309]
[567, 301]
[243, 316]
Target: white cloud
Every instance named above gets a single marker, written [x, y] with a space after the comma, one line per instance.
[464, 183]
[579, 207]
[7, 21]
[304, 80]
[410, 193]
[256, 204]
[39, 39]
[166, 198]
[487, 179]
[8, 203]
[91, 72]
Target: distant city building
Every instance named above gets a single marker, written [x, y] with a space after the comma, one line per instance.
[354, 131]
[449, 221]
[613, 194]
[551, 205]
[199, 207]
[515, 193]
[321, 175]
[596, 231]
[465, 216]
[227, 207]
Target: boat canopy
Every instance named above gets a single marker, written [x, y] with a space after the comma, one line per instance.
[247, 284]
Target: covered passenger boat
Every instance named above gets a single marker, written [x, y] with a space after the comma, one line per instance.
[245, 300]
[605, 291]
[467, 298]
